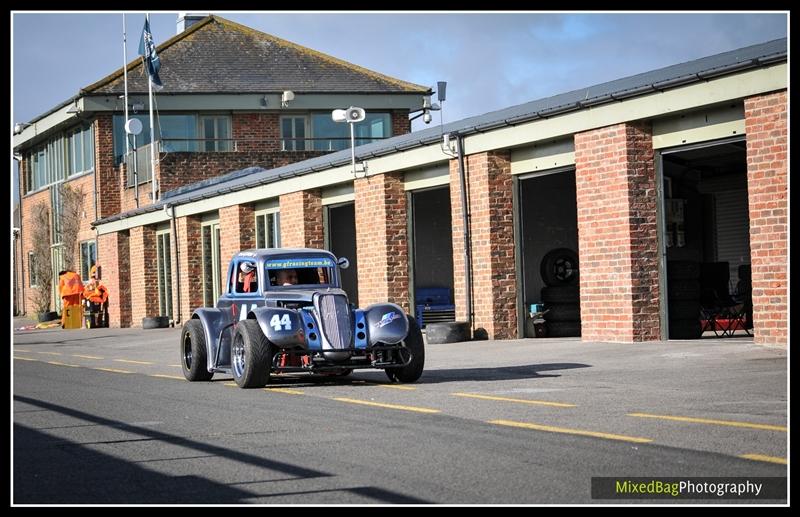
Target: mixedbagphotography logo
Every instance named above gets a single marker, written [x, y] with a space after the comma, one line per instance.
[689, 488]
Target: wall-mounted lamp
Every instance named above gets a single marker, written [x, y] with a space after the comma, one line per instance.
[137, 106]
[287, 96]
[19, 127]
[264, 102]
[352, 115]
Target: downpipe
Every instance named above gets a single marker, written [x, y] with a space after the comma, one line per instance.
[465, 215]
[170, 211]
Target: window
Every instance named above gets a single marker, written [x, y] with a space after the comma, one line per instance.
[177, 133]
[246, 277]
[137, 141]
[335, 136]
[56, 213]
[268, 230]
[88, 258]
[216, 133]
[164, 259]
[211, 266]
[80, 150]
[33, 280]
[293, 133]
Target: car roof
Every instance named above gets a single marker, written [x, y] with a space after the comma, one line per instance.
[270, 253]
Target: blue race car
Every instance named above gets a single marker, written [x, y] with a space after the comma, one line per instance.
[283, 310]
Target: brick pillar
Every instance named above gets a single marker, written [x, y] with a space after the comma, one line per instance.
[617, 234]
[301, 219]
[237, 232]
[190, 270]
[114, 249]
[494, 289]
[143, 274]
[400, 122]
[767, 190]
[382, 239]
[108, 191]
[256, 131]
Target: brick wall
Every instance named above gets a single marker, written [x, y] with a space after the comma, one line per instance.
[108, 199]
[143, 274]
[256, 131]
[400, 122]
[237, 232]
[114, 248]
[381, 239]
[766, 118]
[27, 204]
[190, 270]
[617, 235]
[301, 219]
[492, 236]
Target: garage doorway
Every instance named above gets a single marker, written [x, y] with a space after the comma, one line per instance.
[431, 260]
[340, 239]
[548, 240]
[706, 240]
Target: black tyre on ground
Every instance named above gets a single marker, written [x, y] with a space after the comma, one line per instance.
[563, 312]
[563, 328]
[194, 356]
[251, 355]
[561, 294]
[415, 346]
[560, 267]
[155, 322]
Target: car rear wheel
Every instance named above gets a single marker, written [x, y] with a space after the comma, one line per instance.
[414, 345]
[193, 352]
[251, 355]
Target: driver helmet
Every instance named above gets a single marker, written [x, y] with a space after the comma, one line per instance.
[247, 267]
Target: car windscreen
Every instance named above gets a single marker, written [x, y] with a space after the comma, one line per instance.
[300, 272]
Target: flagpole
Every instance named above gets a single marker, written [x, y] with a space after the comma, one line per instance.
[152, 133]
[125, 72]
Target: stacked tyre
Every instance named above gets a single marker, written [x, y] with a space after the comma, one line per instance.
[683, 292]
[561, 297]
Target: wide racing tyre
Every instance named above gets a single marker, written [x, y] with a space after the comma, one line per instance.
[251, 355]
[194, 355]
[413, 344]
[560, 267]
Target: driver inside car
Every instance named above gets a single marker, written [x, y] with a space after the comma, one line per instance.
[286, 277]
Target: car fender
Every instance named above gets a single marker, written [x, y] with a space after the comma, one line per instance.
[214, 320]
[386, 323]
[282, 327]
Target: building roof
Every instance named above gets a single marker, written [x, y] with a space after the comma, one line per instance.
[216, 55]
[682, 74]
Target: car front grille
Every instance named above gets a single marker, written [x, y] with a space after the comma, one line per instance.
[335, 315]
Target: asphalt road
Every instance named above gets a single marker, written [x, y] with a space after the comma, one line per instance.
[104, 417]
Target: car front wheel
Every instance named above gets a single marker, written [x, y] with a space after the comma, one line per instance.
[251, 355]
[415, 346]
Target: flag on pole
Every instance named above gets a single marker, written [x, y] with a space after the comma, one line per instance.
[147, 49]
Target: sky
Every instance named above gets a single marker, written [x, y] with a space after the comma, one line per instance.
[489, 60]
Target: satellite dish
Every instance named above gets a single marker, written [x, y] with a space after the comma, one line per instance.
[133, 126]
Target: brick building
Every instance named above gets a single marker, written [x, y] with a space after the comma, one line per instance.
[233, 98]
[667, 185]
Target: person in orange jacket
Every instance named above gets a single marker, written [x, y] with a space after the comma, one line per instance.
[96, 296]
[70, 288]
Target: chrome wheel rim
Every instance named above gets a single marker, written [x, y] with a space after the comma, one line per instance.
[237, 357]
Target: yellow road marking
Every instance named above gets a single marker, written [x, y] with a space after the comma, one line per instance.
[49, 353]
[761, 457]
[176, 365]
[27, 359]
[285, 390]
[507, 399]
[62, 364]
[396, 386]
[168, 376]
[21, 350]
[132, 362]
[732, 423]
[565, 430]
[388, 406]
[114, 370]
[232, 384]
[87, 356]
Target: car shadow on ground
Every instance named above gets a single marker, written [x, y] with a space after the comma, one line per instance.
[360, 377]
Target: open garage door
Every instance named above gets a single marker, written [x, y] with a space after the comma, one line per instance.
[548, 231]
[431, 233]
[341, 241]
[706, 232]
